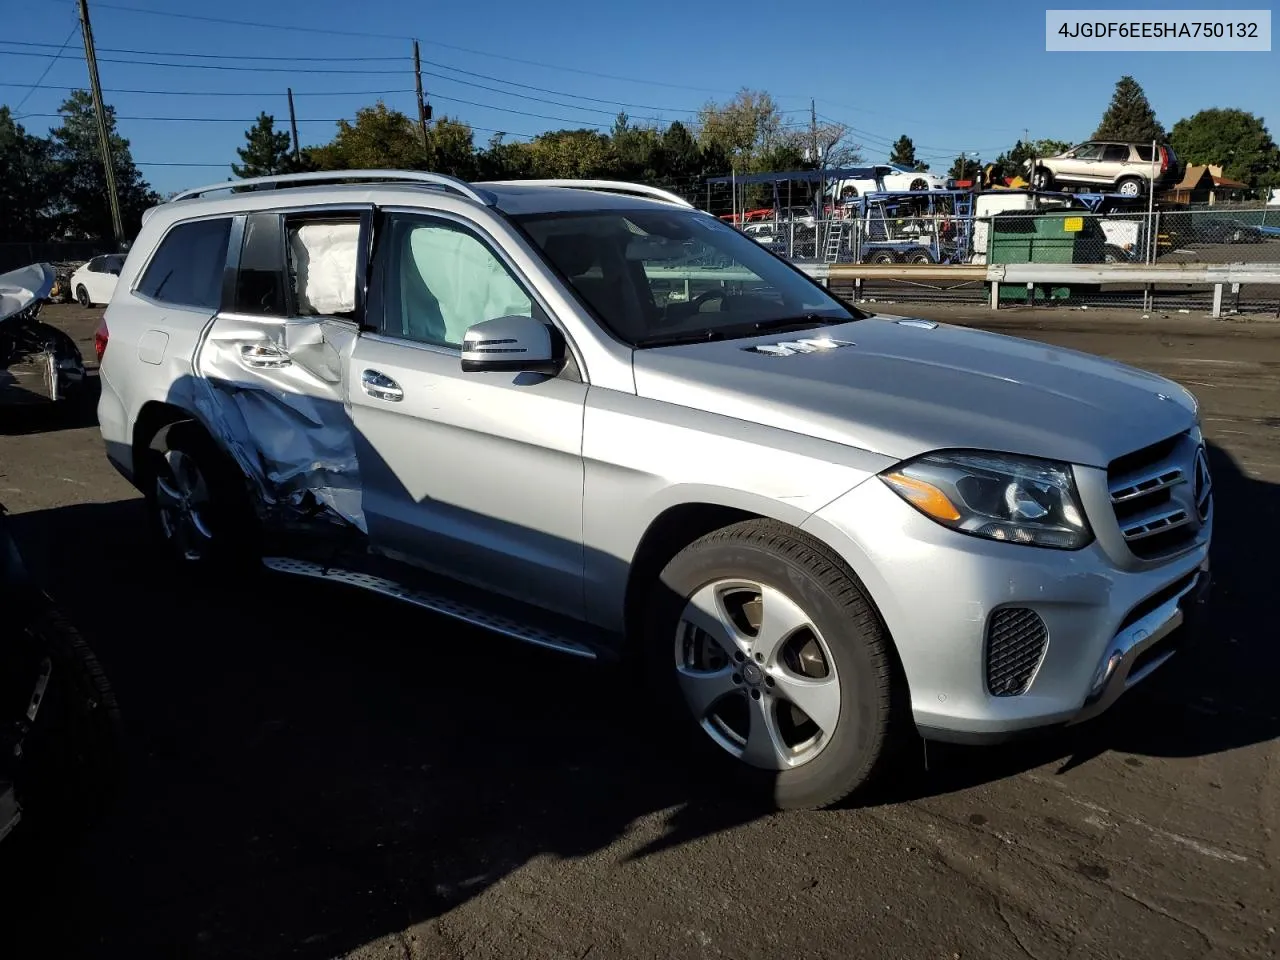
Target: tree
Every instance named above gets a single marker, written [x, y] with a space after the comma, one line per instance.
[965, 168]
[904, 153]
[380, 139]
[83, 209]
[572, 154]
[749, 125]
[27, 184]
[266, 150]
[1130, 116]
[451, 148]
[638, 150]
[1235, 140]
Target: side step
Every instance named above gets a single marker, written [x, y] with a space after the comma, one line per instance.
[435, 602]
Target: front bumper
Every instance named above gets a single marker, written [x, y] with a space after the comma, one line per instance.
[1108, 627]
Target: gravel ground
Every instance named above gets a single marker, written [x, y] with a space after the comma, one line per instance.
[320, 774]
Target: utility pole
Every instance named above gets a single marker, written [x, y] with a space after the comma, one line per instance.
[104, 136]
[817, 156]
[424, 112]
[293, 127]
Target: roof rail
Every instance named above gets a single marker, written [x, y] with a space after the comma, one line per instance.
[606, 186]
[338, 176]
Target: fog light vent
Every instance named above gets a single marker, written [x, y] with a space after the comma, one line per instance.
[1016, 640]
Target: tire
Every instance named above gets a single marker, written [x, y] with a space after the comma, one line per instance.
[82, 297]
[72, 756]
[882, 256]
[1129, 187]
[198, 504]
[920, 256]
[919, 184]
[1113, 254]
[1042, 179]
[797, 577]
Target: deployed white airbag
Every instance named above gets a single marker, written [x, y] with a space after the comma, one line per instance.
[325, 257]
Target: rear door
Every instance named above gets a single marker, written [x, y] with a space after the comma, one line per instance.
[269, 370]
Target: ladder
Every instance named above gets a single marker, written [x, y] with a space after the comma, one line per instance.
[835, 240]
[963, 214]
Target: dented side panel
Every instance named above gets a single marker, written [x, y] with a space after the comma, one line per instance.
[272, 390]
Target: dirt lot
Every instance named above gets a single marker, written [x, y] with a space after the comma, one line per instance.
[318, 774]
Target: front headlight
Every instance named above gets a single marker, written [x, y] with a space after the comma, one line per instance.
[997, 496]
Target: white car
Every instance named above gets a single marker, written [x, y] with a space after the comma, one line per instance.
[889, 177]
[95, 281]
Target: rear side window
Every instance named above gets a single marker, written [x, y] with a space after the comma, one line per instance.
[260, 288]
[1144, 152]
[1115, 153]
[323, 262]
[187, 269]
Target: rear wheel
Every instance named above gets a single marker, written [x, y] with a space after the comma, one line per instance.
[777, 662]
[920, 256]
[82, 296]
[199, 506]
[882, 256]
[1129, 187]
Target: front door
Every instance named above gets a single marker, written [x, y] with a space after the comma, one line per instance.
[477, 476]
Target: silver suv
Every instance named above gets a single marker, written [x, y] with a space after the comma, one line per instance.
[588, 416]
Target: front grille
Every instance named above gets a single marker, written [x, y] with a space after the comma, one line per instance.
[1153, 520]
[1016, 639]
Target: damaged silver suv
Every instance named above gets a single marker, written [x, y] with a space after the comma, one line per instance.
[588, 416]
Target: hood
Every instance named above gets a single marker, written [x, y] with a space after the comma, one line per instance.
[21, 288]
[902, 388]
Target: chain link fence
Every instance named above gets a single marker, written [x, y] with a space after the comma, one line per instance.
[930, 231]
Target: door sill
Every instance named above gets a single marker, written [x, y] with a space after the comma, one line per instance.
[455, 600]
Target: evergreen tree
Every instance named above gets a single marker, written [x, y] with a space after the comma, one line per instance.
[1130, 116]
[904, 153]
[266, 150]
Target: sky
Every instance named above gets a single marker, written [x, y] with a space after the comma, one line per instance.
[970, 77]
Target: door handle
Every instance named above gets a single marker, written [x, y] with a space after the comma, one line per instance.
[263, 355]
[380, 386]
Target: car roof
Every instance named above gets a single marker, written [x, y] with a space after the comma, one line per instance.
[510, 198]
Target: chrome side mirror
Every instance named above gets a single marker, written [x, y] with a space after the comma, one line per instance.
[515, 344]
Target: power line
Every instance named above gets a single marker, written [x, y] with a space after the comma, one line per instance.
[223, 93]
[49, 66]
[298, 28]
[217, 56]
[213, 66]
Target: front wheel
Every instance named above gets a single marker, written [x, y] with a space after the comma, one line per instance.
[777, 661]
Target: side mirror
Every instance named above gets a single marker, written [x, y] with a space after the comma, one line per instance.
[515, 344]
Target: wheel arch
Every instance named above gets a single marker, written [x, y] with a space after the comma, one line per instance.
[155, 418]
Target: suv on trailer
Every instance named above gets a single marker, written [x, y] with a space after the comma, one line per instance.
[588, 416]
[1129, 169]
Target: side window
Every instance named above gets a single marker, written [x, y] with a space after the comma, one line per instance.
[1115, 153]
[187, 269]
[323, 258]
[441, 278]
[260, 288]
[95, 265]
[1090, 151]
[1144, 152]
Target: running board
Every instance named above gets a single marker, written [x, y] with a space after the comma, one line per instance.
[436, 603]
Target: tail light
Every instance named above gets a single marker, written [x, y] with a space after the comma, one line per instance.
[1164, 160]
[100, 337]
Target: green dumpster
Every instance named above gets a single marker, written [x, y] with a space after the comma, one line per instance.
[1049, 236]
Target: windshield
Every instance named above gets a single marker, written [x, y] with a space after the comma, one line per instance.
[662, 276]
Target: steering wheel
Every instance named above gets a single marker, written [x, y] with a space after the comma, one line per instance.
[720, 294]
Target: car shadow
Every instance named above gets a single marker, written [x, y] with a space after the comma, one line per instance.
[1213, 698]
[73, 413]
[311, 769]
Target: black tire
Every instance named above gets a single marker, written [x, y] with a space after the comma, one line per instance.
[882, 257]
[234, 544]
[1113, 254]
[815, 579]
[1136, 184]
[1042, 179]
[920, 257]
[73, 754]
[82, 296]
[919, 184]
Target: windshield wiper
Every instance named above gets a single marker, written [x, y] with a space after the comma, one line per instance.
[799, 322]
[681, 336]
